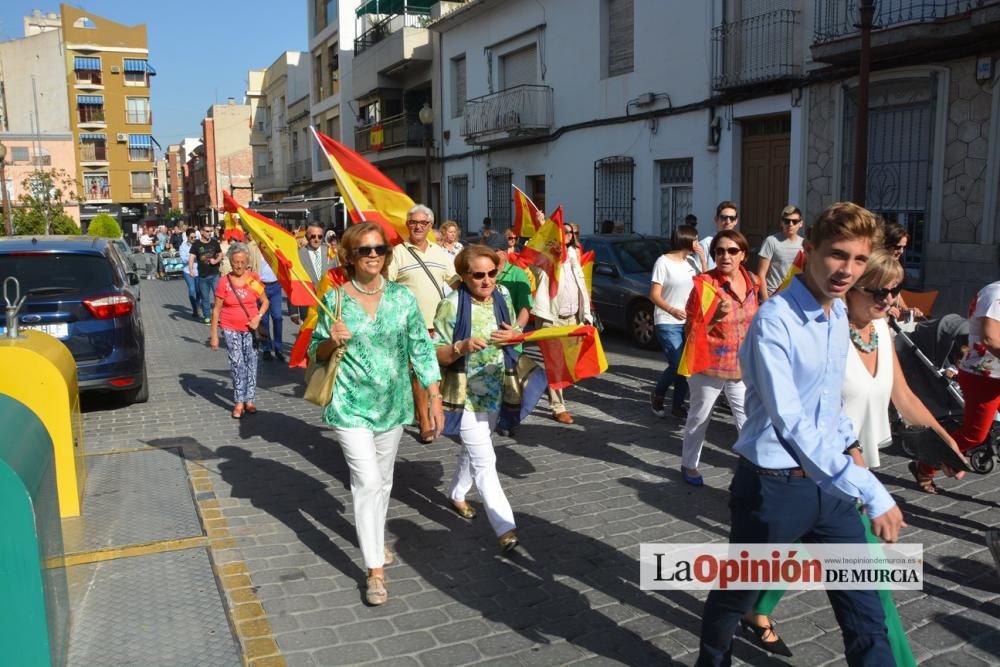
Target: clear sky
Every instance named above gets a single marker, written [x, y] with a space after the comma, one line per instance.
[201, 50]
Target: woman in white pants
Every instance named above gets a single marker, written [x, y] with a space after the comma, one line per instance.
[719, 310]
[384, 334]
[472, 327]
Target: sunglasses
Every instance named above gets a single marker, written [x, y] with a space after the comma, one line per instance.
[479, 275]
[366, 250]
[314, 236]
[418, 223]
[791, 221]
[728, 218]
[511, 238]
[731, 251]
[880, 293]
[900, 248]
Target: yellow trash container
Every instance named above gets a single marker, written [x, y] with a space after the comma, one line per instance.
[40, 372]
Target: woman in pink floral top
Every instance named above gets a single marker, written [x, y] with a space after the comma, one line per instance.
[718, 371]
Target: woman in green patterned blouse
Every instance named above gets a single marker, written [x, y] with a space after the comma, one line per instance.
[385, 334]
[471, 326]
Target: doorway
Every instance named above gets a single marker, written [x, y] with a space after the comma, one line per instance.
[764, 176]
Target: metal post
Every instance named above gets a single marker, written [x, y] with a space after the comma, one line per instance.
[427, 165]
[859, 186]
[6, 200]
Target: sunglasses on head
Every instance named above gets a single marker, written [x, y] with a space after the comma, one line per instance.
[728, 218]
[791, 221]
[880, 293]
[366, 250]
[479, 275]
[732, 251]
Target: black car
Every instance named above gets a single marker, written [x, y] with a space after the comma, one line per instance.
[623, 265]
[81, 290]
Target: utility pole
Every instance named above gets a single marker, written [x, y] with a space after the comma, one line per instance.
[860, 181]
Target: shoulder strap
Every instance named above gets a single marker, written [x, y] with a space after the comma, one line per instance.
[426, 270]
[238, 299]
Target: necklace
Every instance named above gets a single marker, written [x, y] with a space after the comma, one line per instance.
[369, 292]
[859, 343]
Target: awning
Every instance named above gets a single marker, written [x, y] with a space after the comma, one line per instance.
[85, 63]
[93, 137]
[296, 208]
[138, 65]
[395, 7]
[90, 99]
[140, 141]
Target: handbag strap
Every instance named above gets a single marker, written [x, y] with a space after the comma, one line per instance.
[426, 270]
[238, 299]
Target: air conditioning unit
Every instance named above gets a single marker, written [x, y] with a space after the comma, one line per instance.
[122, 137]
[115, 69]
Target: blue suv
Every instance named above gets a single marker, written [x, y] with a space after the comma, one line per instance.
[82, 291]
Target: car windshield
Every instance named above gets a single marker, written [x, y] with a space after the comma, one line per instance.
[639, 255]
[46, 273]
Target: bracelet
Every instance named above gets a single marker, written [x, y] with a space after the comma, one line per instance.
[433, 396]
[454, 348]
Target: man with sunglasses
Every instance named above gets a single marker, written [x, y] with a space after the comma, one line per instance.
[315, 257]
[727, 216]
[779, 251]
[426, 269]
[207, 252]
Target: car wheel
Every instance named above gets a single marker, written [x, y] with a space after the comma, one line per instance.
[641, 326]
[141, 393]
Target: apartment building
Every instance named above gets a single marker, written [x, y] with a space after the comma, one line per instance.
[226, 161]
[108, 78]
[175, 176]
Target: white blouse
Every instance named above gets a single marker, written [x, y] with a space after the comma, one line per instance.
[866, 397]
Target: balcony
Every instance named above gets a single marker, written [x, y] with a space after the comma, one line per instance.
[388, 46]
[393, 140]
[515, 113]
[905, 29]
[379, 26]
[92, 116]
[756, 50]
[93, 153]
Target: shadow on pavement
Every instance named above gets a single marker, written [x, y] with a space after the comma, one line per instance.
[685, 502]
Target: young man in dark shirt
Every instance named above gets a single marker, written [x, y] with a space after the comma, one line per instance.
[207, 252]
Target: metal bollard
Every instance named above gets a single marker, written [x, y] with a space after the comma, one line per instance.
[13, 305]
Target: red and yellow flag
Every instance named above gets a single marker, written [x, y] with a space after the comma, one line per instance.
[546, 250]
[587, 264]
[368, 193]
[524, 214]
[571, 353]
[280, 251]
[231, 230]
[256, 285]
[697, 356]
[795, 269]
[298, 357]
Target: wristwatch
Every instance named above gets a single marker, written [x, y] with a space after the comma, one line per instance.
[854, 445]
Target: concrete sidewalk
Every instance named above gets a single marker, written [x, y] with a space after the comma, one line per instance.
[269, 517]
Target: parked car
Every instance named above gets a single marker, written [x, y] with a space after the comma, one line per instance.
[81, 290]
[623, 265]
[126, 252]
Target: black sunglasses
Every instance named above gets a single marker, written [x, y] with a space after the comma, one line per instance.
[315, 236]
[366, 250]
[479, 275]
[730, 218]
[791, 221]
[731, 251]
[880, 293]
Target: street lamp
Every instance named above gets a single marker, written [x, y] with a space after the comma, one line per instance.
[3, 185]
[426, 115]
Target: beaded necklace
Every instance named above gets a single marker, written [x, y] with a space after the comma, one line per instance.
[859, 342]
[369, 292]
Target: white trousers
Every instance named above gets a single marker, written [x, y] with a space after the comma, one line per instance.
[704, 392]
[477, 463]
[371, 457]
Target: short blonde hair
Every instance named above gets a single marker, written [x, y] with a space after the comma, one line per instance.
[881, 270]
[448, 224]
[351, 240]
[846, 220]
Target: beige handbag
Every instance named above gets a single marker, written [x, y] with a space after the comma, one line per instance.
[320, 376]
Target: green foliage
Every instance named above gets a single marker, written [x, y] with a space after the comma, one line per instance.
[104, 226]
[172, 216]
[39, 209]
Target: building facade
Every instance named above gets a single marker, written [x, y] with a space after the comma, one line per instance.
[227, 158]
[175, 176]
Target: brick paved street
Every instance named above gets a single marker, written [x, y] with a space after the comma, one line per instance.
[585, 496]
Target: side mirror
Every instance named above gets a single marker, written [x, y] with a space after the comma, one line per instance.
[133, 278]
[602, 269]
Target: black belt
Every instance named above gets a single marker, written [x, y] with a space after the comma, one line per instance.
[772, 472]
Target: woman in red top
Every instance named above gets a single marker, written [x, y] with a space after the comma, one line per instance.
[236, 310]
[719, 310]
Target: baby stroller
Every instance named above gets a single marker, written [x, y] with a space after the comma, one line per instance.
[935, 347]
[173, 267]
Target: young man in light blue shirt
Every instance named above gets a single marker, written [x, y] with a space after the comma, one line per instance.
[795, 479]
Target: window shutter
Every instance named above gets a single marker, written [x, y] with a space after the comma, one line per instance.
[458, 105]
[520, 67]
[621, 37]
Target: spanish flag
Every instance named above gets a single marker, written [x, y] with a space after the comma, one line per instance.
[571, 353]
[697, 356]
[587, 264]
[280, 251]
[232, 230]
[368, 193]
[299, 357]
[795, 269]
[546, 250]
[255, 285]
[524, 214]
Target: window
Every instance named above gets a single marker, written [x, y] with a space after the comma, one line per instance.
[519, 68]
[263, 160]
[84, 22]
[140, 147]
[458, 86]
[458, 201]
[137, 110]
[319, 90]
[142, 183]
[88, 70]
[19, 154]
[536, 190]
[137, 71]
[499, 197]
[96, 186]
[90, 108]
[325, 12]
[620, 37]
[676, 192]
[613, 193]
[333, 68]
[93, 148]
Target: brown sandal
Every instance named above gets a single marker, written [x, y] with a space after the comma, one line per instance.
[925, 482]
[238, 411]
[376, 593]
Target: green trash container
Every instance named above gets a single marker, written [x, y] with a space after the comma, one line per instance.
[34, 614]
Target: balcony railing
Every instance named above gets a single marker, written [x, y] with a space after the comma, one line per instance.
[93, 153]
[755, 49]
[393, 132]
[410, 17]
[301, 170]
[143, 117]
[840, 18]
[97, 190]
[91, 114]
[523, 109]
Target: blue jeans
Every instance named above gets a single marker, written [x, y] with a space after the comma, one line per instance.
[193, 295]
[671, 337]
[207, 286]
[273, 293]
[784, 509]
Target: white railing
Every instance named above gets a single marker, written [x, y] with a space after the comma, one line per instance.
[523, 109]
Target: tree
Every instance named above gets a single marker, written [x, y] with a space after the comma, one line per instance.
[104, 226]
[172, 217]
[40, 206]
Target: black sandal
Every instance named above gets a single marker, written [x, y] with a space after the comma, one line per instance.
[755, 635]
[925, 482]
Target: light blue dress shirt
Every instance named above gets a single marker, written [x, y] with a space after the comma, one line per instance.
[793, 363]
[185, 252]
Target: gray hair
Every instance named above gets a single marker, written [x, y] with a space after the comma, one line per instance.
[420, 208]
[235, 248]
